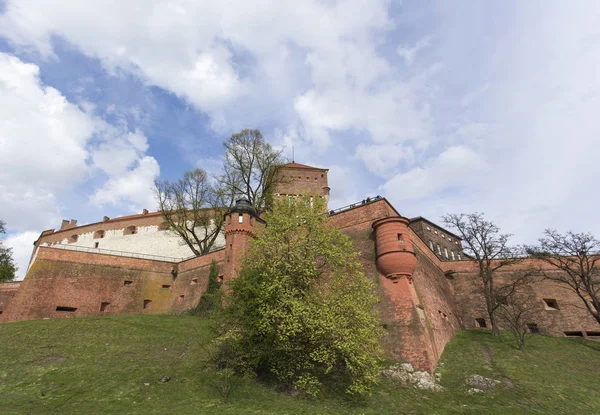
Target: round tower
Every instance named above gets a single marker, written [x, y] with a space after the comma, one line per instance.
[395, 253]
[242, 224]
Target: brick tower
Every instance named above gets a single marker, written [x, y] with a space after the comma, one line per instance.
[242, 224]
[300, 179]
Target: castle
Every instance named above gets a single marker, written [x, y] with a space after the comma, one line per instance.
[133, 264]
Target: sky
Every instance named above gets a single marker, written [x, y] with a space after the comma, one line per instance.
[441, 107]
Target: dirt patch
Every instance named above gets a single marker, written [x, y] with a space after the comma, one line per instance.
[51, 359]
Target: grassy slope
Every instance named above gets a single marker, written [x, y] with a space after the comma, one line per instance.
[101, 365]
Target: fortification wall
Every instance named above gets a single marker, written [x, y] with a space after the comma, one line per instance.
[418, 314]
[65, 283]
[569, 317]
[7, 292]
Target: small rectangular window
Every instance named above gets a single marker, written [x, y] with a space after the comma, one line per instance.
[573, 333]
[550, 304]
[240, 218]
[147, 303]
[533, 328]
[591, 334]
[166, 286]
[127, 283]
[96, 244]
[104, 307]
[480, 323]
[194, 281]
[66, 309]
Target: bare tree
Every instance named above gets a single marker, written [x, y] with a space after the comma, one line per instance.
[489, 248]
[193, 208]
[516, 312]
[575, 256]
[251, 168]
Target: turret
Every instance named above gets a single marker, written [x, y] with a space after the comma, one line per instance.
[395, 253]
[242, 224]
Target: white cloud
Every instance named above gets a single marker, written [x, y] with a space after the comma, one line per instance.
[382, 159]
[49, 145]
[409, 53]
[314, 63]
[452, 168]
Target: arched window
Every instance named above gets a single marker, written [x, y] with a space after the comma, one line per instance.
[431, 245]
[73, 238]
[130, 230]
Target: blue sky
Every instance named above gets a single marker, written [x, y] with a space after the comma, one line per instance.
[439, 106]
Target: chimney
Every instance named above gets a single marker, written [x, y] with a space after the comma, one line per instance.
[145, 212]
[64, 224]
[105, 219]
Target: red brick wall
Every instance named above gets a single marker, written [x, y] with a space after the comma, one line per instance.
[7, 292]
[85, 280]
[415, 330]
[571, 316]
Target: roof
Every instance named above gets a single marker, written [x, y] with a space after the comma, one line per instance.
[418, 218]
[295, 165]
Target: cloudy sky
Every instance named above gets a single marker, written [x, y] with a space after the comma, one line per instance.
[439, 106]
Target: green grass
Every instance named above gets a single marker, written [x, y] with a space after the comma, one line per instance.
[101, 365]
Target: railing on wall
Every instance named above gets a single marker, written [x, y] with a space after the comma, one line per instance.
[354, 205]
[117, 253]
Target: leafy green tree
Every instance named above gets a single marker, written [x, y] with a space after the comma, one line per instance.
[302, 308]
[211, 299]
[7, 265]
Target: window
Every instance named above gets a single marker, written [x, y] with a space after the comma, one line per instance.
[322, 175]
[96, 244]
[428, 228]
[445, 252]
[452, 255]
[399, 236]
[130, 230]
[166, 286]
[73, 238]
[550, 304]
[533, 328]
[591, 334]
[194, 281]
[180, 299]
[480, 323]
[241, 218]
[127, 283]
[573, 333]
[434, 231]
[147, 304]
[99, 234]
[66, 309]
[439, 249]
[458, 255]
[501, 299]
[104, 307]
[431, 245]
[307, 178]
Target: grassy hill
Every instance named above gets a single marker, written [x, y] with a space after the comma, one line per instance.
[112, 364]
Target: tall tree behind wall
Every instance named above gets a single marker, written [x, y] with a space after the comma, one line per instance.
[576, 260]
[484, 243]
[251, 168]
[194, 208]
